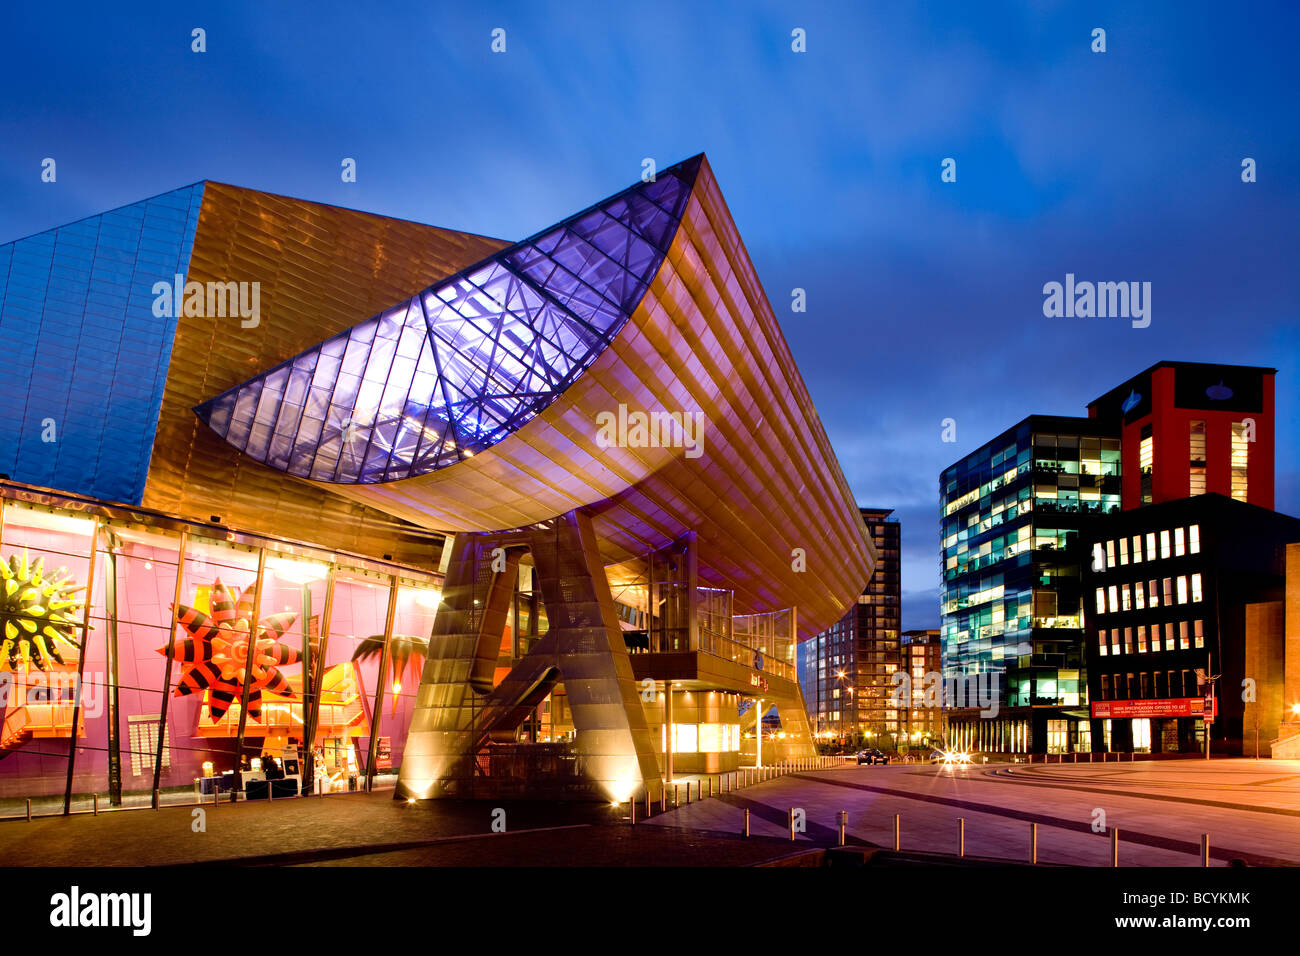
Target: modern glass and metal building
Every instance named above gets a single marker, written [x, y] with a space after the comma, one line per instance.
[1011, 599]
[362, 494]
[1044, 529]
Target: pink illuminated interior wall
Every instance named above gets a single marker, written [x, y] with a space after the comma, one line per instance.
[145, 582]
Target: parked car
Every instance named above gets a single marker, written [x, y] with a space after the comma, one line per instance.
[872, 756]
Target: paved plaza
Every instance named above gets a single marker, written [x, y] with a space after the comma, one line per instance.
[1251, 809]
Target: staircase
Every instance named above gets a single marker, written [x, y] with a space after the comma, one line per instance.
[15, 732]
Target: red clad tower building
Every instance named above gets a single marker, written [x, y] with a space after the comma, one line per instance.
[1189, 428]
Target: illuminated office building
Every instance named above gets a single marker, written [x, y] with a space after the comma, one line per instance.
[1021, 520]
[1011, 597]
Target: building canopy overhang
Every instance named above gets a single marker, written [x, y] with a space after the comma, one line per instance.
[624, 361]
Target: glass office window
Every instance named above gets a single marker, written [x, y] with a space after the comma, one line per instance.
[1196, 587]
[1198, 630]
[1180, 545]
[1182, 589]
[1141, 734]
[1194, 539]
[1146, 464]
[1164, 544]
[1137, 549]
[1196, 463]
[1240, 449]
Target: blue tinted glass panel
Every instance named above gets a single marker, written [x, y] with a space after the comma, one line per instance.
[85, 357]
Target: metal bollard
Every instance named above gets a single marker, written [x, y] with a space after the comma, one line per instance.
[1033, 843]
[844, 821]
[710, 786]
[95, 807]
[746, 823]
[663, 797]
[677, 798]
[1205, 849]
[1114, 847]
[961, 836]
[790, 815]
[632, 806]
[647, 802]
[29, 809]
[898, 842]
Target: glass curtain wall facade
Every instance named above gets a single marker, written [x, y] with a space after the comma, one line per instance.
[1011, 515]
[117, 576]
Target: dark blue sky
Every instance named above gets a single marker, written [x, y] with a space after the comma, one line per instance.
[924, 298]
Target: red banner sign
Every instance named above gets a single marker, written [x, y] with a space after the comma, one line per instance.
[1160, 707]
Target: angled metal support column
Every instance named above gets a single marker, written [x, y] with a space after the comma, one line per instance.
[437, 752]
[613, 738]
[583, 647]
[798, 731]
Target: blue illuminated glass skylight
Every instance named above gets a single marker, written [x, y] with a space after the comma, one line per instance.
[467, 361]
